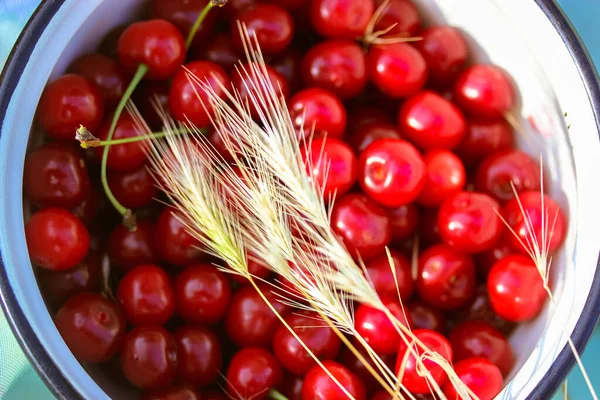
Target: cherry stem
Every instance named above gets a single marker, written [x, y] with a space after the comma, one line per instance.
[276, 395]
[128, 217]
[151, 136]
[201, 17]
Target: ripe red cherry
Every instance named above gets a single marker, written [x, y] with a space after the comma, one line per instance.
[199, 354]
[146, 296]
[221, 51]
[411, 379]
[483, 138]
[372, 132]
[397, 69]
[249, 320]
[127, 249]
[485, 91]
[405, 220]
[445, 52]
[392, 172]
[546, 222]
[445, 177]
[91, 326]
[377, 329]
[446, 278]
[57, 240]
[173, 393]
[478, 374]
[314, 333]
[188, 100]
[272, 26]
[245, 84]
[336, 65]
[252, 373]
[173, 241]
[469, 222]
[149, 357]
[319, 386]
[431, 122]
[183, 14]
[388, 283]
[516, 288]
[133, 189]
[93, 204]
[122, 157]
[346, 19]
[105, 72]
[156, 43]
[495, 174]
[426, 317]
[480, 339]
[55, 175]
[233, 7]
[68, 102]
[362, 224]
[402, 15]
[202, 294]
[319, 110]
[331, 163]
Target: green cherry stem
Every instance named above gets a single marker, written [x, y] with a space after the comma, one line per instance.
[275, 395]
[201, 17]
[151, 136]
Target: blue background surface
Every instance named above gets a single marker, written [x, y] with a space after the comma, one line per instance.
[25, 384]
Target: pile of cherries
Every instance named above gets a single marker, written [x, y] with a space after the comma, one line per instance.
[415, 143]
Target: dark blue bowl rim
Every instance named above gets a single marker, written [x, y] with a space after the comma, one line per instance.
[60, 385]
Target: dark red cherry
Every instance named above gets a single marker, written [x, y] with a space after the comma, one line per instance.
[288, 64]
[387, 282]
[392, 172]
[156, 43]
[93, 205]
[397, 70]
[291, 5]
[349, 360]
[199, 354]
[478, 374]
[371, 132]
[516, 288]
[445, 52]
[256, 267]
[469, 222]
[252, 373]
[377, 329]
[244, 82]
[271, 25]
[484, 137]
[405, 220]
[127, 249]
[183, 14]
[446, 176]
[336, 65]
[431, 122]
[221, 51]
[67, 103]
[426, 317]
[133, 189]
[319, 386]
[91, 326]
[429, 232]
[177, 392]
[233, 7]
[214, 395]
[486, 260]
[401, 15]
[149, 357]
[485, 91]
[291, 386]
[346, 19]
[173, 241]
[362, 224]
[361, 117]
[145, 97]
[122, 157]
[105, 72]
[317, 110]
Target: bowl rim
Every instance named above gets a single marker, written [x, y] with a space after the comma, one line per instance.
[60, 385]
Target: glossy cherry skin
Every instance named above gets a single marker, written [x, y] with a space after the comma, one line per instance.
[446, 278]
[183, 14]
[156, 43]
[105, 72]
[221, 51]
[485, 91]
[249, 320]
[57, 240]
[546, 220]
[391, 172]
[173, 242]
[402, 15]
[332, 164]
[480, 339]
[55, 175]
[411, 378]
[377, 329]
[173, 393]
[431, 122]
[496, 173]
[146, 296]
[133, 189]
[336, 65]
[149, 357]
[127, 249]
[202, 293]
[397, 69]
[252, 373]
[347, 19]
[122, 157]
[320, 110]
[362, 224]
[484, 137]
[426, 317]
[372, 132]
[446, 176]
[314, 333]
[91, 326]
[272, 26]
[68, 102]
[444, 51]
[319, 386]
[469, 222]
[386, 282]
[516, 288]
[478, 374]
[405, 220]
[245, 84]
[186, 99]
[200, 356]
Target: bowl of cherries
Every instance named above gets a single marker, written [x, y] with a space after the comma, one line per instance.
[412, 210]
